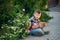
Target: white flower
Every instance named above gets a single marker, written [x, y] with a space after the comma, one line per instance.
[18, 20]
[22, 24]
[23, 21]
[20, 30]
[14, 32]
[2, 27]
[8, 20]
[14, 21]
[10, 36]
[23, 9]
[14, 28]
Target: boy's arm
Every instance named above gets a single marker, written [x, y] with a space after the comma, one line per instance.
[31, 24]
[42, 24]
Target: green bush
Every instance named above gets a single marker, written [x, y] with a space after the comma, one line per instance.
[16, 28]
[45, 17]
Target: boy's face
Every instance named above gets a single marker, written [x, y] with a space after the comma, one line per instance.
[37, 15]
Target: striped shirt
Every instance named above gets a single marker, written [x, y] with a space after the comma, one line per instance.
[34, 20]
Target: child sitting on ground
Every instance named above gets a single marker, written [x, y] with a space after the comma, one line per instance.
[36, 27]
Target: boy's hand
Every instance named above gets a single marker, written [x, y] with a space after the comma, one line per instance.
[42, 24]
[34, 26]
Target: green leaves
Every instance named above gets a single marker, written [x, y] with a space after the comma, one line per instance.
[45, 17]
[15, 27]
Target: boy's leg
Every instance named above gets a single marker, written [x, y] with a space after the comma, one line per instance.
[37, 31]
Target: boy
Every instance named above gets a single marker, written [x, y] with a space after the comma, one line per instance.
[36, 27]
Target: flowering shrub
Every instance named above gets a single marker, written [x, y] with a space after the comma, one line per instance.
[16, 28]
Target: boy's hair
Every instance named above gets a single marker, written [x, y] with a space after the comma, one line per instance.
[38, 11]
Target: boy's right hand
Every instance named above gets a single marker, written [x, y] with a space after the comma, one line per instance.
[34, 26]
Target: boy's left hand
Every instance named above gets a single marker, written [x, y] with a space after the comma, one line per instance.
[42, 24]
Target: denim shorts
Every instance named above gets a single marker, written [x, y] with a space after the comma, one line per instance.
[38, 30]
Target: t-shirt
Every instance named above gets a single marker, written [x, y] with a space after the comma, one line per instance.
[34, 20]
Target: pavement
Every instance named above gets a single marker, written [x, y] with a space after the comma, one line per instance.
[55, 9]
[53, 26]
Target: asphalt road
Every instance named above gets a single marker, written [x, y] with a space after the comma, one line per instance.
[56, 9]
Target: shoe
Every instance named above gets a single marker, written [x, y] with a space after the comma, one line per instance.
[37, 34]
[47, 32]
